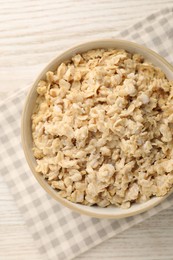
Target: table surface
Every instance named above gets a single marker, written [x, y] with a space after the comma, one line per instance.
[31, 33]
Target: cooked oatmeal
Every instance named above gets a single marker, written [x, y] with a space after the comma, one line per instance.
[102, 129]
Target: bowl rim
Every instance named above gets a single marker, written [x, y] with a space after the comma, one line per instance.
[73, 206]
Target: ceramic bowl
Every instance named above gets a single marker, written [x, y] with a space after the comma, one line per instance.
[26, 135]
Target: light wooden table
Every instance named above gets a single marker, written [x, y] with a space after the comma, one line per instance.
[32, 32]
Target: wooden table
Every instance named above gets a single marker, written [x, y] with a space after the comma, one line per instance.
[31, 33]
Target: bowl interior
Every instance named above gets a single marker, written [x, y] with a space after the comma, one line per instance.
[110, 212]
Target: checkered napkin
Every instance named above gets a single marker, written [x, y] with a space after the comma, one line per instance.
[58, 232]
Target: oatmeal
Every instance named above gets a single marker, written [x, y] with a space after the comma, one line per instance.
[102, 129]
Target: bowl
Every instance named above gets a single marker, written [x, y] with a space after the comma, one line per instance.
[26, 134]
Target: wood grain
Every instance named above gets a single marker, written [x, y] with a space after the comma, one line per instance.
[31, 33]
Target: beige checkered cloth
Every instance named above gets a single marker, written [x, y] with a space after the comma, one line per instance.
[58, 232]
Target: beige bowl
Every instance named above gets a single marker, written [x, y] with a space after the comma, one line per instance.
[109, 212]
